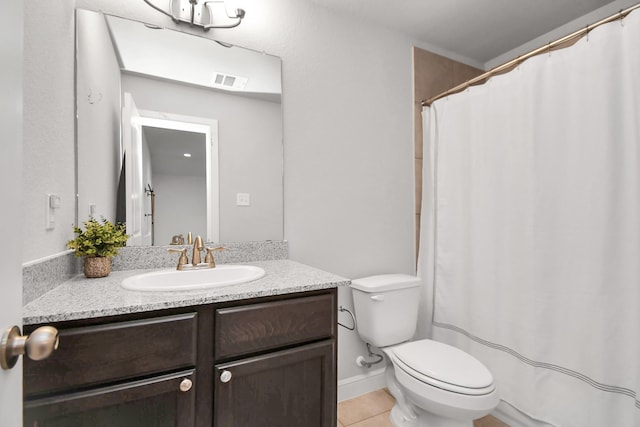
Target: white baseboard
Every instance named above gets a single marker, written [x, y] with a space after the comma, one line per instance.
[358, 385]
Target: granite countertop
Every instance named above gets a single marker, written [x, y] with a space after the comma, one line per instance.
[82, 298]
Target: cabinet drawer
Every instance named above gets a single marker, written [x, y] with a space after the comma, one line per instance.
[257, 327]
[110, 352]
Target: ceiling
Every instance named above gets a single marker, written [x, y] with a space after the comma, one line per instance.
[479, 30]
[174, 55]
[167, 148]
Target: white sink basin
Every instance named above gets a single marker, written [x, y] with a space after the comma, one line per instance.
[174, 280]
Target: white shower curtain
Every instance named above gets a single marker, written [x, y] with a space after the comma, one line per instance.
[531, 229]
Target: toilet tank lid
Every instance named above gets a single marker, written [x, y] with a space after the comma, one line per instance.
[385, 282]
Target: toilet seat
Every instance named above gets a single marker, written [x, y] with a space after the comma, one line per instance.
[443, 366]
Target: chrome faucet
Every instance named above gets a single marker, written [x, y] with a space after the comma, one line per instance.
[198, 247]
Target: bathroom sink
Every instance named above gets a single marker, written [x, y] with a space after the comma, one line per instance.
[206, 278]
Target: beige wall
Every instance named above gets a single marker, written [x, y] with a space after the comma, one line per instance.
[432, 75]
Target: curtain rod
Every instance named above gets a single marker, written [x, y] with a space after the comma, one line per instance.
[522, 58]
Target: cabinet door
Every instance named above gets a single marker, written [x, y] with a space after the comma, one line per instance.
[289, 388]
[167, 400]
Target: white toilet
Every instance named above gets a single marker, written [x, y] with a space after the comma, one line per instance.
[434, 384]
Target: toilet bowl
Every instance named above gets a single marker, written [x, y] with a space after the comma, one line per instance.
[442, 381]
[434, 384]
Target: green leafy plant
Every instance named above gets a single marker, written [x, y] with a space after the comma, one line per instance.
[98, 239]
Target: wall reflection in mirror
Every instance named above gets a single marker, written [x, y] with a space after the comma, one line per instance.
[175, 132]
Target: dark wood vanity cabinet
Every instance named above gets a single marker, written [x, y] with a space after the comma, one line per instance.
[262, 362]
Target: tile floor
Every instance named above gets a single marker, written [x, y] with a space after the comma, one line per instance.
[372, 410]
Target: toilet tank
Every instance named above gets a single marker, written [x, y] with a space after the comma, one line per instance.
[386, 308]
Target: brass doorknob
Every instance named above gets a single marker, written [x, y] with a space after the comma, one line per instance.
[39, 345]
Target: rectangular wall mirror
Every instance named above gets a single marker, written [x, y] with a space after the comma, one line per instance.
[177, 133]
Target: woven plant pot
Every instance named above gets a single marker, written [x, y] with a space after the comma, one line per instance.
[98, 266]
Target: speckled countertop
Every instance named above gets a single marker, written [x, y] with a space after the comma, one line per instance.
[82, 298]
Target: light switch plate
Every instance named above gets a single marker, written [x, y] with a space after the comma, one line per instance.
[53, 203]
[243, 199]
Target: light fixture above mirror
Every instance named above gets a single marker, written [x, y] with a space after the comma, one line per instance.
[201, 13]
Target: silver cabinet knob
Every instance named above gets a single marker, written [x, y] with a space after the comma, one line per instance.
[39, 345]
[185, 385]
[225, 376]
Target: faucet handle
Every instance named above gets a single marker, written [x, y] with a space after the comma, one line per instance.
[183, 257]
[209, 256]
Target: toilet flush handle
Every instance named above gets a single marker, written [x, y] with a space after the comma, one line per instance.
[377, 297]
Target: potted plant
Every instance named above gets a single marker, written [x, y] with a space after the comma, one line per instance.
[97, 243]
